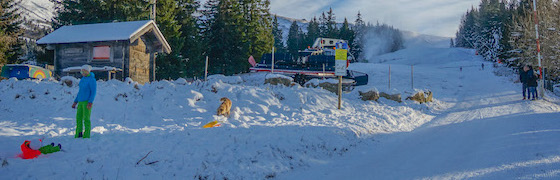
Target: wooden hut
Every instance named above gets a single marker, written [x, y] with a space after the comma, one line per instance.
[114, 50]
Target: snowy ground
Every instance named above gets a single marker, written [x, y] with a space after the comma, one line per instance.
[487, 132]
[477, 127]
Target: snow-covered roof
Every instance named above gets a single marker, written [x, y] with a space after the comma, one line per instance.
[79, 68]
[102, 32]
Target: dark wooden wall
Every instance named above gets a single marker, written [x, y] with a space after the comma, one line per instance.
[78, 54]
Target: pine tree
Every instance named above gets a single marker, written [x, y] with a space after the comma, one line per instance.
[294, 39]
[331, 29]
[10, 45]
[323, 25]
[313, 32]
[278, 37]
[191, 53]
[74, 12]
[258, 32]
[467, 36]
[451, 44]
[506, 30]
[301, 39]
[234, 30]
[359, 33]
[345, 32]
[224, 38]
[170, 66]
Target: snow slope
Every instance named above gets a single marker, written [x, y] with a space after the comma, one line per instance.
[485, 132]
[414, 40]
[470, 131]
[272, 130]
[39, 11]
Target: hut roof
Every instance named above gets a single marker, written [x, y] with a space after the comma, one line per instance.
[117, 31]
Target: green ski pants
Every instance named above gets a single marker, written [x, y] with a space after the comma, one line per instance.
[82, 119]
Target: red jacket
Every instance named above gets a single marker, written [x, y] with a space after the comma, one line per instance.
[28, 153]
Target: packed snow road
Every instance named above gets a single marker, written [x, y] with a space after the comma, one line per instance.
[487, 132]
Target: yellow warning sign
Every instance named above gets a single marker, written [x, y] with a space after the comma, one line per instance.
[341, 54]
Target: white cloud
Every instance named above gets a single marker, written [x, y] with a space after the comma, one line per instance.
[435, 17]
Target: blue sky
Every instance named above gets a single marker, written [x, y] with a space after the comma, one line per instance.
[434, 17]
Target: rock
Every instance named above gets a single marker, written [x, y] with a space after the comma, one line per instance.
[325, 85]
[69, 81]
[369, 96]
[430, 97]
[422, 97]
[278, 80]
[394, 97]
[329, 87]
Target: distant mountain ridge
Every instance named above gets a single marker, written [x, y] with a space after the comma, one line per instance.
[39, 12]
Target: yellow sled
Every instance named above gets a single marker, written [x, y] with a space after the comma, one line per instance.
[212, 124]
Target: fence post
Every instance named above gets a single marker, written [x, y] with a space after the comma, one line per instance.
[323, 71]
[389, 77]
[206, 70]
[272, 70]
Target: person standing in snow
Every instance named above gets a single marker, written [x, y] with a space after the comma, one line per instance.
[84, 100]
[524, 78]
[532, 83]
[482, 66]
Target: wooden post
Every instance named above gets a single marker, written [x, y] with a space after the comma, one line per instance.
[389, 77]
[339, 92]
[323, 71]
[272, 70]
[206, 70]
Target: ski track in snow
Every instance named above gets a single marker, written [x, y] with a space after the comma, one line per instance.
[487, 132]
[477, 127]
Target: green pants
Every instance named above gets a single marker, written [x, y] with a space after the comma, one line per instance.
[82, 119]
[49, 149]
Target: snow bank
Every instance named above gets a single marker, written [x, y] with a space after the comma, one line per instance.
[225, 79]
[316, 82]
[271, 130]
[272, 76]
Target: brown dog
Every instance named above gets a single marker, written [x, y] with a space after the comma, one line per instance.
[225, 107]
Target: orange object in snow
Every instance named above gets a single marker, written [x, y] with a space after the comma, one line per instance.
[28, 153]
[212, 124]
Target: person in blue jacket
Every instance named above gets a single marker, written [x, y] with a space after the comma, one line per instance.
[84, 100]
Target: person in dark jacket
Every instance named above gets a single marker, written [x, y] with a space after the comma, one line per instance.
[532, 83]
[84, 100]
[523, 78]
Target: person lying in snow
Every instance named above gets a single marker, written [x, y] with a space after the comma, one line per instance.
[30, 153]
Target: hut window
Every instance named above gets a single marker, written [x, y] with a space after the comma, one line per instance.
[101, 53]
[72, 51]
